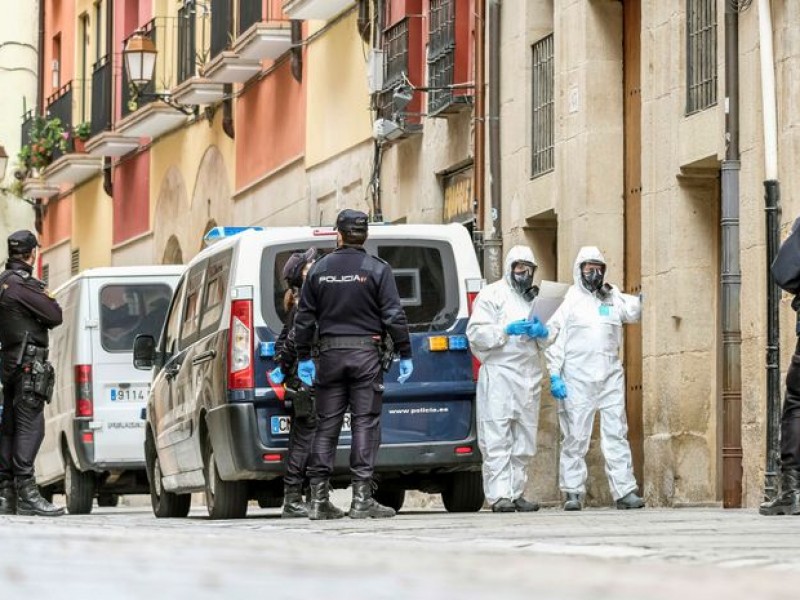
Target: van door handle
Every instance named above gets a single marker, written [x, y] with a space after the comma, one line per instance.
[204, 357]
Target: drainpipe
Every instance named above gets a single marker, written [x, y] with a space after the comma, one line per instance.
[731, 275]
[108, 182]
[772, 210]
[479, 152]
[493, 242]
[38, 207]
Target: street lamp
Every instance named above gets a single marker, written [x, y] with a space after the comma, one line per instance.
[3, 163]
[140, 59]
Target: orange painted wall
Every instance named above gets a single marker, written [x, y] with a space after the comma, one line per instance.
[57, 225]
[270, 125]
[59, 17]
[131, 197]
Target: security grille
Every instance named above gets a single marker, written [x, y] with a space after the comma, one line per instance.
[543, 113]
[441, 53]
[75, 262]
[46, 274]
[395, 66]
[186, 41]
[701, 55]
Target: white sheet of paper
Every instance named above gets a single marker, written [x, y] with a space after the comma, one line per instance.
[551, 295]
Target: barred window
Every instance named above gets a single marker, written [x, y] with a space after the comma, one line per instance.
[186, 41]
[441, 53]
[543, 115]
[395, 66]
[701, 55]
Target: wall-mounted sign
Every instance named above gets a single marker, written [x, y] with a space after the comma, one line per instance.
[458, 197]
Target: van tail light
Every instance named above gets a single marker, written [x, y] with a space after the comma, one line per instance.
[473, 288]
[240, 359]
[84, 400]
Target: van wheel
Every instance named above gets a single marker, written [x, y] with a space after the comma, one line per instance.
[270, 501]
[166, 505]
[390, 496]
[79, 489]
[108, 500]
[224, 499]
[464, 493]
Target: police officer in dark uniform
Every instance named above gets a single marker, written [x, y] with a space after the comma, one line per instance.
[27, 313]
[351, 298]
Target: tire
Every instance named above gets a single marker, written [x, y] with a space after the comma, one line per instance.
[464, 493]
[224, 499]
[107, 500]
[78, 488]
[166, 505]
[390, 496]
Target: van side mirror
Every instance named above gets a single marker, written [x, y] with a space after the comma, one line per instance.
[144, 352]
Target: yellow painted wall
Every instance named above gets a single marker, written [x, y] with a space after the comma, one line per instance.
[338, 106]
[92, 224]
[185, 149]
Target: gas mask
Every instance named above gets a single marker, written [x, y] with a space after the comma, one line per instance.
[593, 280]
[523, 282]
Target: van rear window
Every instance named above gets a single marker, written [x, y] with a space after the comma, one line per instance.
[424, 271]
[129, 310]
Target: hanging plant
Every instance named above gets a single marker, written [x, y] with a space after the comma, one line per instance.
[46, 136]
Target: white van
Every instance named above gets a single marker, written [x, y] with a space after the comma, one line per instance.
[215, 424]
[94, 427]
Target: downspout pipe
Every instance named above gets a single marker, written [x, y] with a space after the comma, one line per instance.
[772, 210]
[108, 181]
[493, 240]
[38, 207]
[479, 170]
[731, 275]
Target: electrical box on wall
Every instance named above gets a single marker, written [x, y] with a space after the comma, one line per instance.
[375, 71]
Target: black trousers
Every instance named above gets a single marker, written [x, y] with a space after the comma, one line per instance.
[301, 439]
[22, 431]
[790, 420]
[347, 378]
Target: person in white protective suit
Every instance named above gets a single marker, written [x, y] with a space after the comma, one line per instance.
[509, 381]
[586, 375]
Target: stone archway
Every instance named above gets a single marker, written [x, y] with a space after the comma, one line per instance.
[173, 255]
[170, 226]
[211, 198]
[209, 226]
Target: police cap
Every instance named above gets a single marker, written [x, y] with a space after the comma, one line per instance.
[293, 269]
[21, 242]
[352, 221]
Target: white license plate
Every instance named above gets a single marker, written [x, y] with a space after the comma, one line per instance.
[131, 394]
[282, 425]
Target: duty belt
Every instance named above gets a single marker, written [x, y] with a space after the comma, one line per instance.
[34, 352]
[331, 342]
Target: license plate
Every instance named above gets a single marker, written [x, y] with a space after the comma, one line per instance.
[131, 394]
[282, 425]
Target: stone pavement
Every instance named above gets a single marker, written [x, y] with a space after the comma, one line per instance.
[126, 553]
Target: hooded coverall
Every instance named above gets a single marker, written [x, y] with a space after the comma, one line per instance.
[585, 337]
[509, 384]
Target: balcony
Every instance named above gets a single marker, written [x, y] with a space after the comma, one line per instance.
[153, 120]
[59, 105]
[261, 36]
[228, 67]
[38, 189]
[321, 10]
[74, 168]
[198, 91]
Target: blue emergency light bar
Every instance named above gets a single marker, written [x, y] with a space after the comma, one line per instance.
[220, 233]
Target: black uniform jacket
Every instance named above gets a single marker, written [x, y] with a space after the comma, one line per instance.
[350, 293]
[25, 307]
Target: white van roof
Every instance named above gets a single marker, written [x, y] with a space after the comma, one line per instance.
[137, 271]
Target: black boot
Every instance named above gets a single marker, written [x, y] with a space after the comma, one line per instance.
[30, 501]
[8, 498]
[293, 505]
[788, 501]
[321, 507]
[364, 506]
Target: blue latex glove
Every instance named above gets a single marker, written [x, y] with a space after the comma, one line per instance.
[406, 369]
[518, 327]
[276, 376]
[557, 387]
[537, 329]
[306, 371]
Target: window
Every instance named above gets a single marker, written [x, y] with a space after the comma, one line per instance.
[56, 66]
[216, 291]
[191, 310]
[395, 66]
[441, 53]
[543, 117]
[172, 329]
[129, 310]
[701, 55]
[98, 30]
[186, 41]
[85, 52]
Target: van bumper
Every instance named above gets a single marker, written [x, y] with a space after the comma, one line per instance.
[84, 453]
[238, 451]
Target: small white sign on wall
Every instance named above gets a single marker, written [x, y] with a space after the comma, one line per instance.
[574, 100]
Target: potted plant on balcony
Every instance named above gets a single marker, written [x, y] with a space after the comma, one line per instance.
[45, 138]
[81, 133]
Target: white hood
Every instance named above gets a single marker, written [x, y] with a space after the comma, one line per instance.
[517, 254]
[587, 253]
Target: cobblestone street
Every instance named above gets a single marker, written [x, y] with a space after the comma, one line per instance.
[126, 553]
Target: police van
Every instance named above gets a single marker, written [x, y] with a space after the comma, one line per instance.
[215, 423]
[94, 431]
